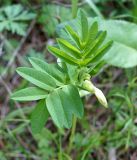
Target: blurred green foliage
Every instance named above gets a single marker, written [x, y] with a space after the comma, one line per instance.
[101, 129]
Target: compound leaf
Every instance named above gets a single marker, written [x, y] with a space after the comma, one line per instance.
[119, 31]
[13, 18]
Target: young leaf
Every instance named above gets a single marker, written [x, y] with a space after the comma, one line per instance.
[29, 94]
[98, 55]
[95, 69]
[69, 48]
[101, 52]
[39, 117]
[84, 25]
[61, 54]
[95, 45]
[73, 36]
[92, 33]
[62, 103]
[51, 69]
[38, 78]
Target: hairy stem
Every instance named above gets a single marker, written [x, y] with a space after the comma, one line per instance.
[72, 135]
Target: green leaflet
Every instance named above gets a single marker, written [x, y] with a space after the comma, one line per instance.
[38, 78]
[51, 69]
[84, 25]
[92, 33]
[39, 117]
[101, 52]
[29, 94]
[90, 49]
[69, 48]
[71, 93]
[98, 54]
[62, 103]
[95, 68]
[73, 35]
[61, 54]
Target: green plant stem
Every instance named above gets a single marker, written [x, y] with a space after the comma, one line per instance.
[72, 135]
[60, 147]
[94, 8]
[74, 8]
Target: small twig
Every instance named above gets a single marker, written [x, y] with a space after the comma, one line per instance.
[112, 154]
[5, 85]
[1, 46]
[71, 140]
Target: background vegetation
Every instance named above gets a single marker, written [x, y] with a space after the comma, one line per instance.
[27, 27]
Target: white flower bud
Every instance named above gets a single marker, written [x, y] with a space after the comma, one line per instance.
[100, 96]
[88, 85]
